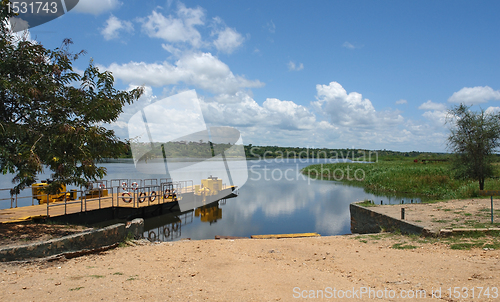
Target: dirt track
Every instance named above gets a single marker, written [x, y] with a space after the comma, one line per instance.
[463, 213]
[252, 270]
[274, 269]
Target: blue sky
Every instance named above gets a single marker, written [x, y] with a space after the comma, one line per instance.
[339, 74]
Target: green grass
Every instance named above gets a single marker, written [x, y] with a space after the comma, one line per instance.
[463, 241]
[432, 180]
[367, 203]
[97, 276]
[76, 288]
[131, 278]
[461, 246]
[440, 221]
[401, 246]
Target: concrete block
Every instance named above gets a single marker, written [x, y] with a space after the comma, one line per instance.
[135, 228]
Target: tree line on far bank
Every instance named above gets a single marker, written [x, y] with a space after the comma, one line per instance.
[192, 149]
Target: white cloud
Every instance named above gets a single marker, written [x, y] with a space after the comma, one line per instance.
[492, 110]
[400, 102]
[293, 67]
[351, 109]
[274, 116]
[286, 123]
[96, 7]
[437, 117]
[430, 105]
[288, 115]
[180, 29]
[228, 40]
[348, 45]
[120, 126]
[474, 95]
[435, 113]
[271, 27]
[113, 25]
[202, 70]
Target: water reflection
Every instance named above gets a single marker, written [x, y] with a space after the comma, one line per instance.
[275, 199]
[169, 227]
[166, 227]
[209, 213]
[273, 206]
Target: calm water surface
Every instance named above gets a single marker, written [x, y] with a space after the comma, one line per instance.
[276, 199]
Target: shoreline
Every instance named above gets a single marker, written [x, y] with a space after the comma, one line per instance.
[249, 270]
[268, 269]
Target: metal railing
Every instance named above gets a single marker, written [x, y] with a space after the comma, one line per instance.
[13, 200]
[129, 192]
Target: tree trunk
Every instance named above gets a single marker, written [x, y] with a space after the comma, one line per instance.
[481, 184]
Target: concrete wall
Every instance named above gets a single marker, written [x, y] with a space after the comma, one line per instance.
[365, 221]
[84, 241]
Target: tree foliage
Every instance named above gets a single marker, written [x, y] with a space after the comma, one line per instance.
[51, 116]
[474, 138]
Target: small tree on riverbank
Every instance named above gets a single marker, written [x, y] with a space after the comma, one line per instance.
[474, 138]
[51, 116]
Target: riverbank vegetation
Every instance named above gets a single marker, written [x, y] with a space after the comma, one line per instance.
[430, 178]
[473, 165]
[198, 149]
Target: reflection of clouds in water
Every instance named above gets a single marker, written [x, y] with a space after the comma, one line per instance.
[332, 216]
[272, 199]
[327, 201]
[282, 206]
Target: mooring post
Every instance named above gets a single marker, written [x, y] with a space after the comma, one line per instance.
[381, 202]
[402, 213]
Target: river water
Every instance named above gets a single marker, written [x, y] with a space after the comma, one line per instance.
[276, 199]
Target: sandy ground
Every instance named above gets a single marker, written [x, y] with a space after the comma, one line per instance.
[257, 270]
[276, 269]
[463, 213]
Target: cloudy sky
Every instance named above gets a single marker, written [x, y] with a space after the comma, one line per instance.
[339, 74]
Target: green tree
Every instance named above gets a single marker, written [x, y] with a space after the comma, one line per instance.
[50, 116]
[474, 138]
